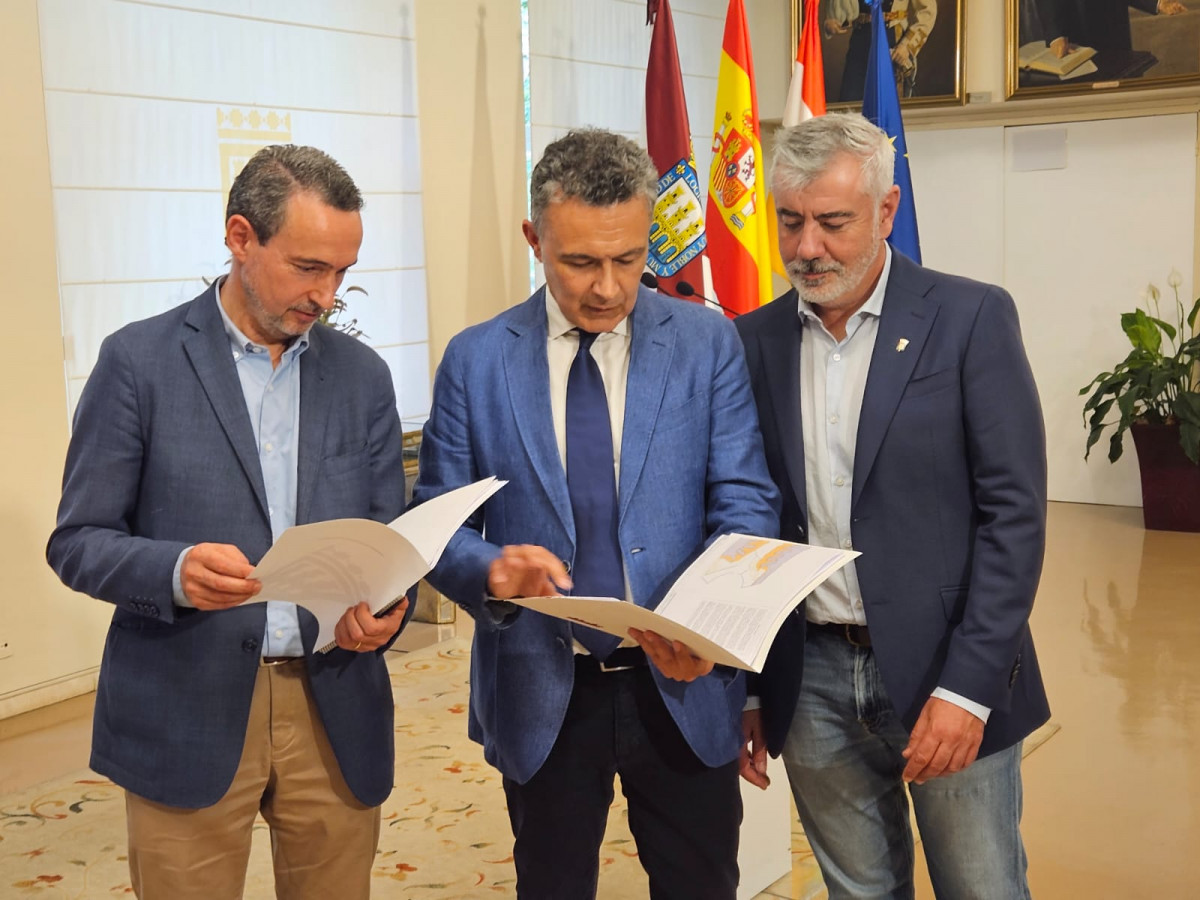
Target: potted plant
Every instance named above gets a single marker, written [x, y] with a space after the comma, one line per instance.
[1153, 393]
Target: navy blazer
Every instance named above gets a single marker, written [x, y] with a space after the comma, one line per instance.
[949, 500]
[163, 457]
[691, 468]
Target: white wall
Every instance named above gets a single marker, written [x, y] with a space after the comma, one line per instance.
[588, 67]
[151, 109]
[126, 121]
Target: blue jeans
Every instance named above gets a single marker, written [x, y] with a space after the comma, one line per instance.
[843, 761]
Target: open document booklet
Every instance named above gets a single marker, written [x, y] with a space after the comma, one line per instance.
[328, 567]
[727, 606]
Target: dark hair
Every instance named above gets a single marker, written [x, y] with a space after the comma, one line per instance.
[595, 166]
[261, 190]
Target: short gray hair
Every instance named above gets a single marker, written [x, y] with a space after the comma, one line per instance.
[595, 166]
[804, 152]
[261, 190]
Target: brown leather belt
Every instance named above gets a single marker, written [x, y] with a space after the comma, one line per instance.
[278, 660]
[857, 635]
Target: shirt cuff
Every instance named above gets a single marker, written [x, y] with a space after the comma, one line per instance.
[978, 710]
[752, 702]
[177, 582]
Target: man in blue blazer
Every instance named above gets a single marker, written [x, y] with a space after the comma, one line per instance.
[676, 459]
[201, 435]
[900, 418]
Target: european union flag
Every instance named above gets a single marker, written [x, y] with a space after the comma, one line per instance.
[881, 104]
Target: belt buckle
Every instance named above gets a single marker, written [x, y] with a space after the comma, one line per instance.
[849, 631]
[267, 663]
[604, 667]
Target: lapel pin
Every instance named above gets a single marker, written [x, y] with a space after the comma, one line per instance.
[901, 344]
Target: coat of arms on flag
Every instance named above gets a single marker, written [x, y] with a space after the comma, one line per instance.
[734, 172]
[677, 229]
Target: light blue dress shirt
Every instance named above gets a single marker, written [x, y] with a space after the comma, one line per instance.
[272, 395]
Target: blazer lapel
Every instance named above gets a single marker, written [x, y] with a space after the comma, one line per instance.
[652, 344]
[316, 400]
[781, 347]
[527, 373]
[904, 325]
[207, 347]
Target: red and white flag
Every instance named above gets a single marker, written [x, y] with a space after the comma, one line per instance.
[805, 99]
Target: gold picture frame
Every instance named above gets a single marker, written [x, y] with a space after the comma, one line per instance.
[935, 27]
[1062, 47]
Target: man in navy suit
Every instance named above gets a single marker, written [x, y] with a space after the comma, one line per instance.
[899, 418]
[201, 435]
[612, 487]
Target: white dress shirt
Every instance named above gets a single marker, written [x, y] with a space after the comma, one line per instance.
[833, 375]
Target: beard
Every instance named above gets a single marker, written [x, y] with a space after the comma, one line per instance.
[272, 326]
[841, 279]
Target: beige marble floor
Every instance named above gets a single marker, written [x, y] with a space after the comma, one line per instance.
[1112, 802]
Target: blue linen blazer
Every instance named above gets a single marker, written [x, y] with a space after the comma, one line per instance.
[162, 457]
[948, 505]
[691, 469]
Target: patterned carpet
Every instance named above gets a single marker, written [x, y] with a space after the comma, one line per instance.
[445, 832]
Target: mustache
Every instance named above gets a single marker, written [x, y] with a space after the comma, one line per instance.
[799, 267]
[310, 309]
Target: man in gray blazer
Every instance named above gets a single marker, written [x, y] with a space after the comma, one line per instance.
[201, 435]
[899, 418]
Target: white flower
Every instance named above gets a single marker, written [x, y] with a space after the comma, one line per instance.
[1174, 279]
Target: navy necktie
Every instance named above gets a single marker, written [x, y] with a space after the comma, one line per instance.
[598, 570]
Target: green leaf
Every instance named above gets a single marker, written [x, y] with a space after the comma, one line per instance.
[1187, 408]
[1191, 319]
[1165, 326]
[1189, 438]
[1097, 419]
[1141, 331]
[1114, 446]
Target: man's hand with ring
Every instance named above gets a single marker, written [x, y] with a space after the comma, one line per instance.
[359, 631]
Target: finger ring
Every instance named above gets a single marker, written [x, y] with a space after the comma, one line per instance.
[359, 644]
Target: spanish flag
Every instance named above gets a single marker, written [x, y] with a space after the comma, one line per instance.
[805, 100]
[739, 247]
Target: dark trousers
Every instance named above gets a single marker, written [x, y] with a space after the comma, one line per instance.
[684, 816]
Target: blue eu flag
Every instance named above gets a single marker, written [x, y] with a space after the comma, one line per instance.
[881, 104]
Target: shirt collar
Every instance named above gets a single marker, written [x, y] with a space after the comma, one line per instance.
[874, 304]
[559, 326]
[242, 344]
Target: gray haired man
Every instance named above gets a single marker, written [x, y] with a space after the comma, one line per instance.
[900, 418]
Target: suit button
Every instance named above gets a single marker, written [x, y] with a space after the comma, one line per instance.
[249, 645]
[566, 565]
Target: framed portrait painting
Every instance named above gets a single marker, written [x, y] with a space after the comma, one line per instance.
[925, 38]
[1089, 46]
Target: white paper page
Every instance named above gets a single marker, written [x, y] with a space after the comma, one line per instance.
[726, 607]
[327, 567]
[430, 526]
[618, 616]
[739, 591]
